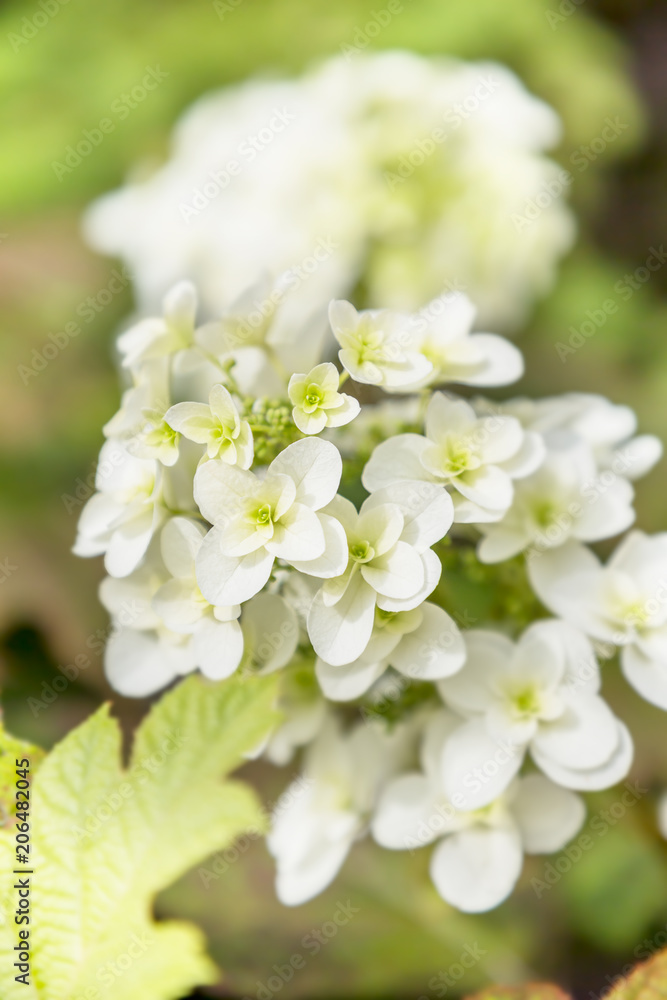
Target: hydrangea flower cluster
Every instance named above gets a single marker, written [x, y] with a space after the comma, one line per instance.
[390, 172]
[253, 516]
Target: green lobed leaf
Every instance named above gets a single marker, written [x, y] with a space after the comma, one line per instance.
[107, 839]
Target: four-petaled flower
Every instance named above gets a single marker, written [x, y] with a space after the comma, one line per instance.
[317, 401]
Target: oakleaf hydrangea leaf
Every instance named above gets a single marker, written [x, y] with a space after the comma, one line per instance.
[106, 839]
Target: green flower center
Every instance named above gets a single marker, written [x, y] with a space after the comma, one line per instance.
[362, 552]
[545, 514]
[264, 514]
[527, 702]
[313, 395]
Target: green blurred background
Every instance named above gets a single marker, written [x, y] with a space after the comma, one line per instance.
[590, 60]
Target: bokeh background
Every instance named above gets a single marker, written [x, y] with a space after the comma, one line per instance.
[590, 60]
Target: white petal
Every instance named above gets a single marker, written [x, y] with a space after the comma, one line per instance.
[476, 768]
[398, 574]
[342, 414]
[340, 634]
[138, 664]
[476, 869]
[407, 814]
[548, 816]
[608, 512]
[503, 362]
[220, 490]
[193, 420]
[432, 570]
[217, 648]
[271, 632]
[647, 676]
[488, 655]
[638, 456]
[381, 524]
[488, 486]
[297, 535]
[180, 541]
[501, 543]
[567, 580]
[585, 736]
[129, 542]
[224, 580]
[299, 884]
[528, 458]
[501, 439]
[593, 779]
[396, 459]
[180, 305]
[333, 560]
[315, 466]
[348, 681]
[434, 650]
[446, 415]
[176, 607]
[427, 510]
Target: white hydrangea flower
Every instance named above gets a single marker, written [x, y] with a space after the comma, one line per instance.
[423, 644]
[567, 497]
[442, 331]
[216, 425]
[389, 564]
[479, 856]
[164, 628]
[149, 391]
[623, 603]
[317, 401]
[330, 806]
[378, 347]
[258, 520]
[303, 722]
[353, 188]
[158, 337]
[265, 335]
[217, 640]
[609, 429]
[120, 520]
[476, 458]
[540, 695]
